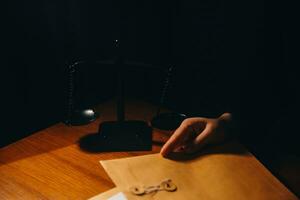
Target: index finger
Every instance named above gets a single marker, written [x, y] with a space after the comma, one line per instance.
[176, 139]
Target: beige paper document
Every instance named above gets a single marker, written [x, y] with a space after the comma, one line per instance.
[227, 172]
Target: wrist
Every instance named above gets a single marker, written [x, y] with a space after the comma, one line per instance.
[226, 124]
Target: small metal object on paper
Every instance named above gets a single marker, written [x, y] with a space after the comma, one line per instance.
[166, 185]
[137, 190]
[169, 186]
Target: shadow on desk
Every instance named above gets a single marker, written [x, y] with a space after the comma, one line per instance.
[232, 148]
[51, 139]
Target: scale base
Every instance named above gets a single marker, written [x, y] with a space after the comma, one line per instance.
[119, 136]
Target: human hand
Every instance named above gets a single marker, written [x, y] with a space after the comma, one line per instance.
[195, 133]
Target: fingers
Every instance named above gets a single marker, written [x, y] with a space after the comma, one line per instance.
[200, 141]
[176, 139]
[194, 134]
[183, 134]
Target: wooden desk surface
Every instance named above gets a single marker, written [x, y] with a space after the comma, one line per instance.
[50, 165]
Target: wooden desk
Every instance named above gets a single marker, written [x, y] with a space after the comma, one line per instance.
[50, 165]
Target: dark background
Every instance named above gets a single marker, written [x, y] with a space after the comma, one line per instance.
[220, 49]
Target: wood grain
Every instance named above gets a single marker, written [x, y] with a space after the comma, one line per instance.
[50, 165]
[225, 172]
